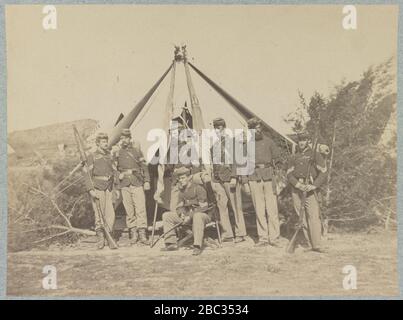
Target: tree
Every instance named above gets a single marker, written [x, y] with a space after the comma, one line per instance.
[362, 188]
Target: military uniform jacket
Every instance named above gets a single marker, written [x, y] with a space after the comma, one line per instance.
[171, 167]
[130, 162]
[192, 198]
[223, 172]
[298, 168]
[266, 153]
[102, 171]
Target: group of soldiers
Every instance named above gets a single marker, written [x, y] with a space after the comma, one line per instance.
[123, 171]
[198, 194]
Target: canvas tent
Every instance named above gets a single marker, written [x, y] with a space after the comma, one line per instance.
[175, 89]
[166, 100]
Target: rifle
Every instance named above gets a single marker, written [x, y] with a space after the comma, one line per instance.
[213, 203]
[177, 226]
[84, 161]
[274, 179]
[293, 242]
[165, 233]
[154, 222]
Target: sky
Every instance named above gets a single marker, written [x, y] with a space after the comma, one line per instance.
[102, 59]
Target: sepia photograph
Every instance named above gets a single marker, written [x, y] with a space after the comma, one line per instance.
[201, 151]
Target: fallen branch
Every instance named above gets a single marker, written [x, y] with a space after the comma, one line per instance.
[61, 213]
[349, 219]
[60, 227]
[58, 194]
[67, 229]
[76, 230]
[52, 237]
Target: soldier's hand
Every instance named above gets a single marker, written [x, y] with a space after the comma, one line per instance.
[93, 194]
[310, 187]
[300, 186]
[186, 219]
[246, 188]
[232, 183]
[147, 186]
[121, 176]
[157, 197]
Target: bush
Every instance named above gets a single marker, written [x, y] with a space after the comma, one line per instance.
[363, 174]
[31, 213]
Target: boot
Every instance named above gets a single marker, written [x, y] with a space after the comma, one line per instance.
[170, 247]
[143, 236]
[134, 237]
[101, 239]
[239, 239]
[196, 251]
[261, 243]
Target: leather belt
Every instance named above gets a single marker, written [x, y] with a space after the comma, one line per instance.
[129, 171]
[225, 165]
[261, 166]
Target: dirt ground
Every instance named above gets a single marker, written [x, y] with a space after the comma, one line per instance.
[234, 270]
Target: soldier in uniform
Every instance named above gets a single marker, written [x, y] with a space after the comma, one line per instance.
[103, 174]
[297, 176]
[134, 179]
[191, 209]
[227, 188]
[261, 186]
[169, 169]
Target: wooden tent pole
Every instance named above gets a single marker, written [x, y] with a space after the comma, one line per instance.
[128, 120]
[245, 112]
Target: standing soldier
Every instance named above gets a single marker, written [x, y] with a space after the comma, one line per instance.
[191, 209]
[227, 187]
[296, 174]
[102, 172]
[168, 169]
[134, 178]
[263, 192]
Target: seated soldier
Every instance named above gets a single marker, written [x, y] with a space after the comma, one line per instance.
[191, 210]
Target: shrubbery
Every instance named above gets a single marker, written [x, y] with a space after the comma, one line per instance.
[31, 212]
[363, 174]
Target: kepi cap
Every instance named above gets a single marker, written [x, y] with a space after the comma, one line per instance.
[126, 133]
[181, 171]
[218, 122]
[253, 122]
[101, 135]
